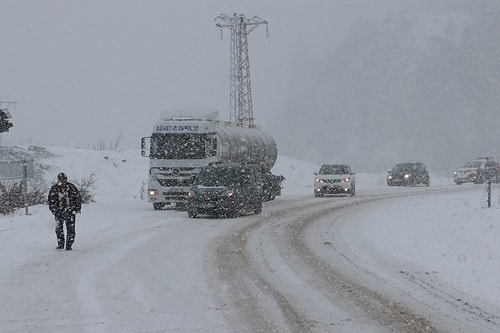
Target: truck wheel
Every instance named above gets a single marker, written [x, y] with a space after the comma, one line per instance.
[180, 206]
[233, 213]
[269, 197]
[258, 209]
[191, 213]
[158, 205]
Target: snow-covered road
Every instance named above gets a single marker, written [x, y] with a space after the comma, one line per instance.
[304, 265]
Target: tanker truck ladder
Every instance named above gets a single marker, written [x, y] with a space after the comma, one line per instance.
[240, 94]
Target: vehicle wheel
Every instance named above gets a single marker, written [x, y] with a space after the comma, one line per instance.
[458, 182]
[352, 192]
[258, 209]
[158, 205]
[233, 213]
[180, 206]
[268, 197]
[192, 213]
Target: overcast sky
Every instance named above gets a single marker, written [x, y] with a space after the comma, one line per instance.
[83, 72]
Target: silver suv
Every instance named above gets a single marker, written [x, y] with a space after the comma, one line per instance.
[334, 179]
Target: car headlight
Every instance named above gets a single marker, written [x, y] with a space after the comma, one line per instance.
[190, 194]
[389, 177]
[344, 180]
[152, 192]
[407, 176]
[319, 180]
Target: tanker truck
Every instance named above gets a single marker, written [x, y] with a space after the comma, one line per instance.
[185, 141]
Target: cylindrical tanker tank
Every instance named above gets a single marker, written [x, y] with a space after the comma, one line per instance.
[240, 144]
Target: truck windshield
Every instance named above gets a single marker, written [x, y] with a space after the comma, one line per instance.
[178, 146]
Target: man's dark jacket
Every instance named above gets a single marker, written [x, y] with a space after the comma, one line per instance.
[75, 200]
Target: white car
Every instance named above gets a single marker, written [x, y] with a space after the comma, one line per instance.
[334, 179]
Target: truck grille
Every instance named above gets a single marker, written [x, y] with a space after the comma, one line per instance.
[175, 182]
[178, 172]
[331, 181]
[178, 196]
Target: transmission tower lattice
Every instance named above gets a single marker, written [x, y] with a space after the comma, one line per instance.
[240, 95]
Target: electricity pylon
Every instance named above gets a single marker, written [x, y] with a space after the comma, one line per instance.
[240, 94]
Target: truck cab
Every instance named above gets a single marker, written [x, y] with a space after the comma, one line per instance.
[182, 144]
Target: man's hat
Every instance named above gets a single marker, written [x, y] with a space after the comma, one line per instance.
[62, 176]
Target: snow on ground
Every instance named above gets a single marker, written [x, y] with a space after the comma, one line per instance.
[453, 235]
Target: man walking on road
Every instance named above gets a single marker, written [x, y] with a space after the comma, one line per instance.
[64, 202]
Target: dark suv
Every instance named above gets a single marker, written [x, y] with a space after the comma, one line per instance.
[226, 190]
[408, 174]
[478, 171]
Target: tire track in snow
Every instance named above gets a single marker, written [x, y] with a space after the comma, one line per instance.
[251, 297]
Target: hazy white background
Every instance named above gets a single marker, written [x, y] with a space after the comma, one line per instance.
[370, 83]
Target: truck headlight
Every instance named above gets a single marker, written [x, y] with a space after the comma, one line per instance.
[152, 192]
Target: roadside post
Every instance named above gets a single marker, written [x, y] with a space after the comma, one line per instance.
[25, 185]
[489, 193]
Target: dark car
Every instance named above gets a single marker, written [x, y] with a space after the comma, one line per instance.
[408, 174]
[478, 171]
[226, 190]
